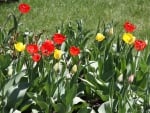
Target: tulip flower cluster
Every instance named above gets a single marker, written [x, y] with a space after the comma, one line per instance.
[46, 48]
[128, 38]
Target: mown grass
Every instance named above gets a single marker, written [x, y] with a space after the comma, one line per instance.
[47, 14]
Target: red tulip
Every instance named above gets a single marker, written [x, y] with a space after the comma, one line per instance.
[59, 38]
[129, 27]
[36, 57]
[32, 48]
[139, 45]
[74, 51]
[24, 8]
[47, 47]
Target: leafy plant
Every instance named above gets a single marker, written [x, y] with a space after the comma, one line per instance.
[69, 73]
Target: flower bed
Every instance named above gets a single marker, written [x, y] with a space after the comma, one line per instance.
[69, 73]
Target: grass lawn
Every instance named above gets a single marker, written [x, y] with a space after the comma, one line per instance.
[47, 14]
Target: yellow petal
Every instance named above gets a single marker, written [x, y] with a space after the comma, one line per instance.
[19, 46]
[100, 37]
[57, 54]
[128, 38]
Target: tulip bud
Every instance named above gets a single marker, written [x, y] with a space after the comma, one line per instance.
[111, 31]
[10, 70]
[120, 78]
[74, 69]
[146, 41]
[114, 47]
[130, 78]
[56, 67]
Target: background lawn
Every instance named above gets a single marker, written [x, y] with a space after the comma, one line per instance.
[47, 14]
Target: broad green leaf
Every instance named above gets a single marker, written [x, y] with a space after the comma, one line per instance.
[24, 106]
[16, 94]
[70, 94]
[109, 69]
[39, 100]
[59, 108]
[43, 105]
[15, 24]
[84, 110]
[20, 39]
[105, 107]
[101, 94]
[19, 75]
[5, 61]
[77, 100]
[19, 64]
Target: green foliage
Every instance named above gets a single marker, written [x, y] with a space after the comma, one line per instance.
[110, 76]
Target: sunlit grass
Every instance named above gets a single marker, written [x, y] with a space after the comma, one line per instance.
[47, 14]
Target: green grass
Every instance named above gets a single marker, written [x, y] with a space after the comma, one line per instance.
[47, 14]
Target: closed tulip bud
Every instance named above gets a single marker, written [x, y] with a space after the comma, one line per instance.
[74, 69]
[56, 67]
[114, 47]
[130, 78]
[120, 78]
[111, 31]
[10, 70]
[146, 41]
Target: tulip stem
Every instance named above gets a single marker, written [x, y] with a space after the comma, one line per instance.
[136, 62]
[5, 23]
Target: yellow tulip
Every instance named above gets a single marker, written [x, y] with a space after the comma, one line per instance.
[100, 37]
[57, 54]
[19, 46]
[128, 38]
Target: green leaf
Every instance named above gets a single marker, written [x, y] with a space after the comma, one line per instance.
[15, 26]
[43, 105]
[19, 75]
[84, 110]
[109, 70]
[70, 94]
[105, 108]
[101, 94]
[5, 61]
[16, 94]
[25, 105]
[39, 100]
[77, 100]
[123, 63]
[88, 83]
[32, 95]
[1, 37]
[19, 64]
[20, 39]
[148, 60]
[59, 108]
